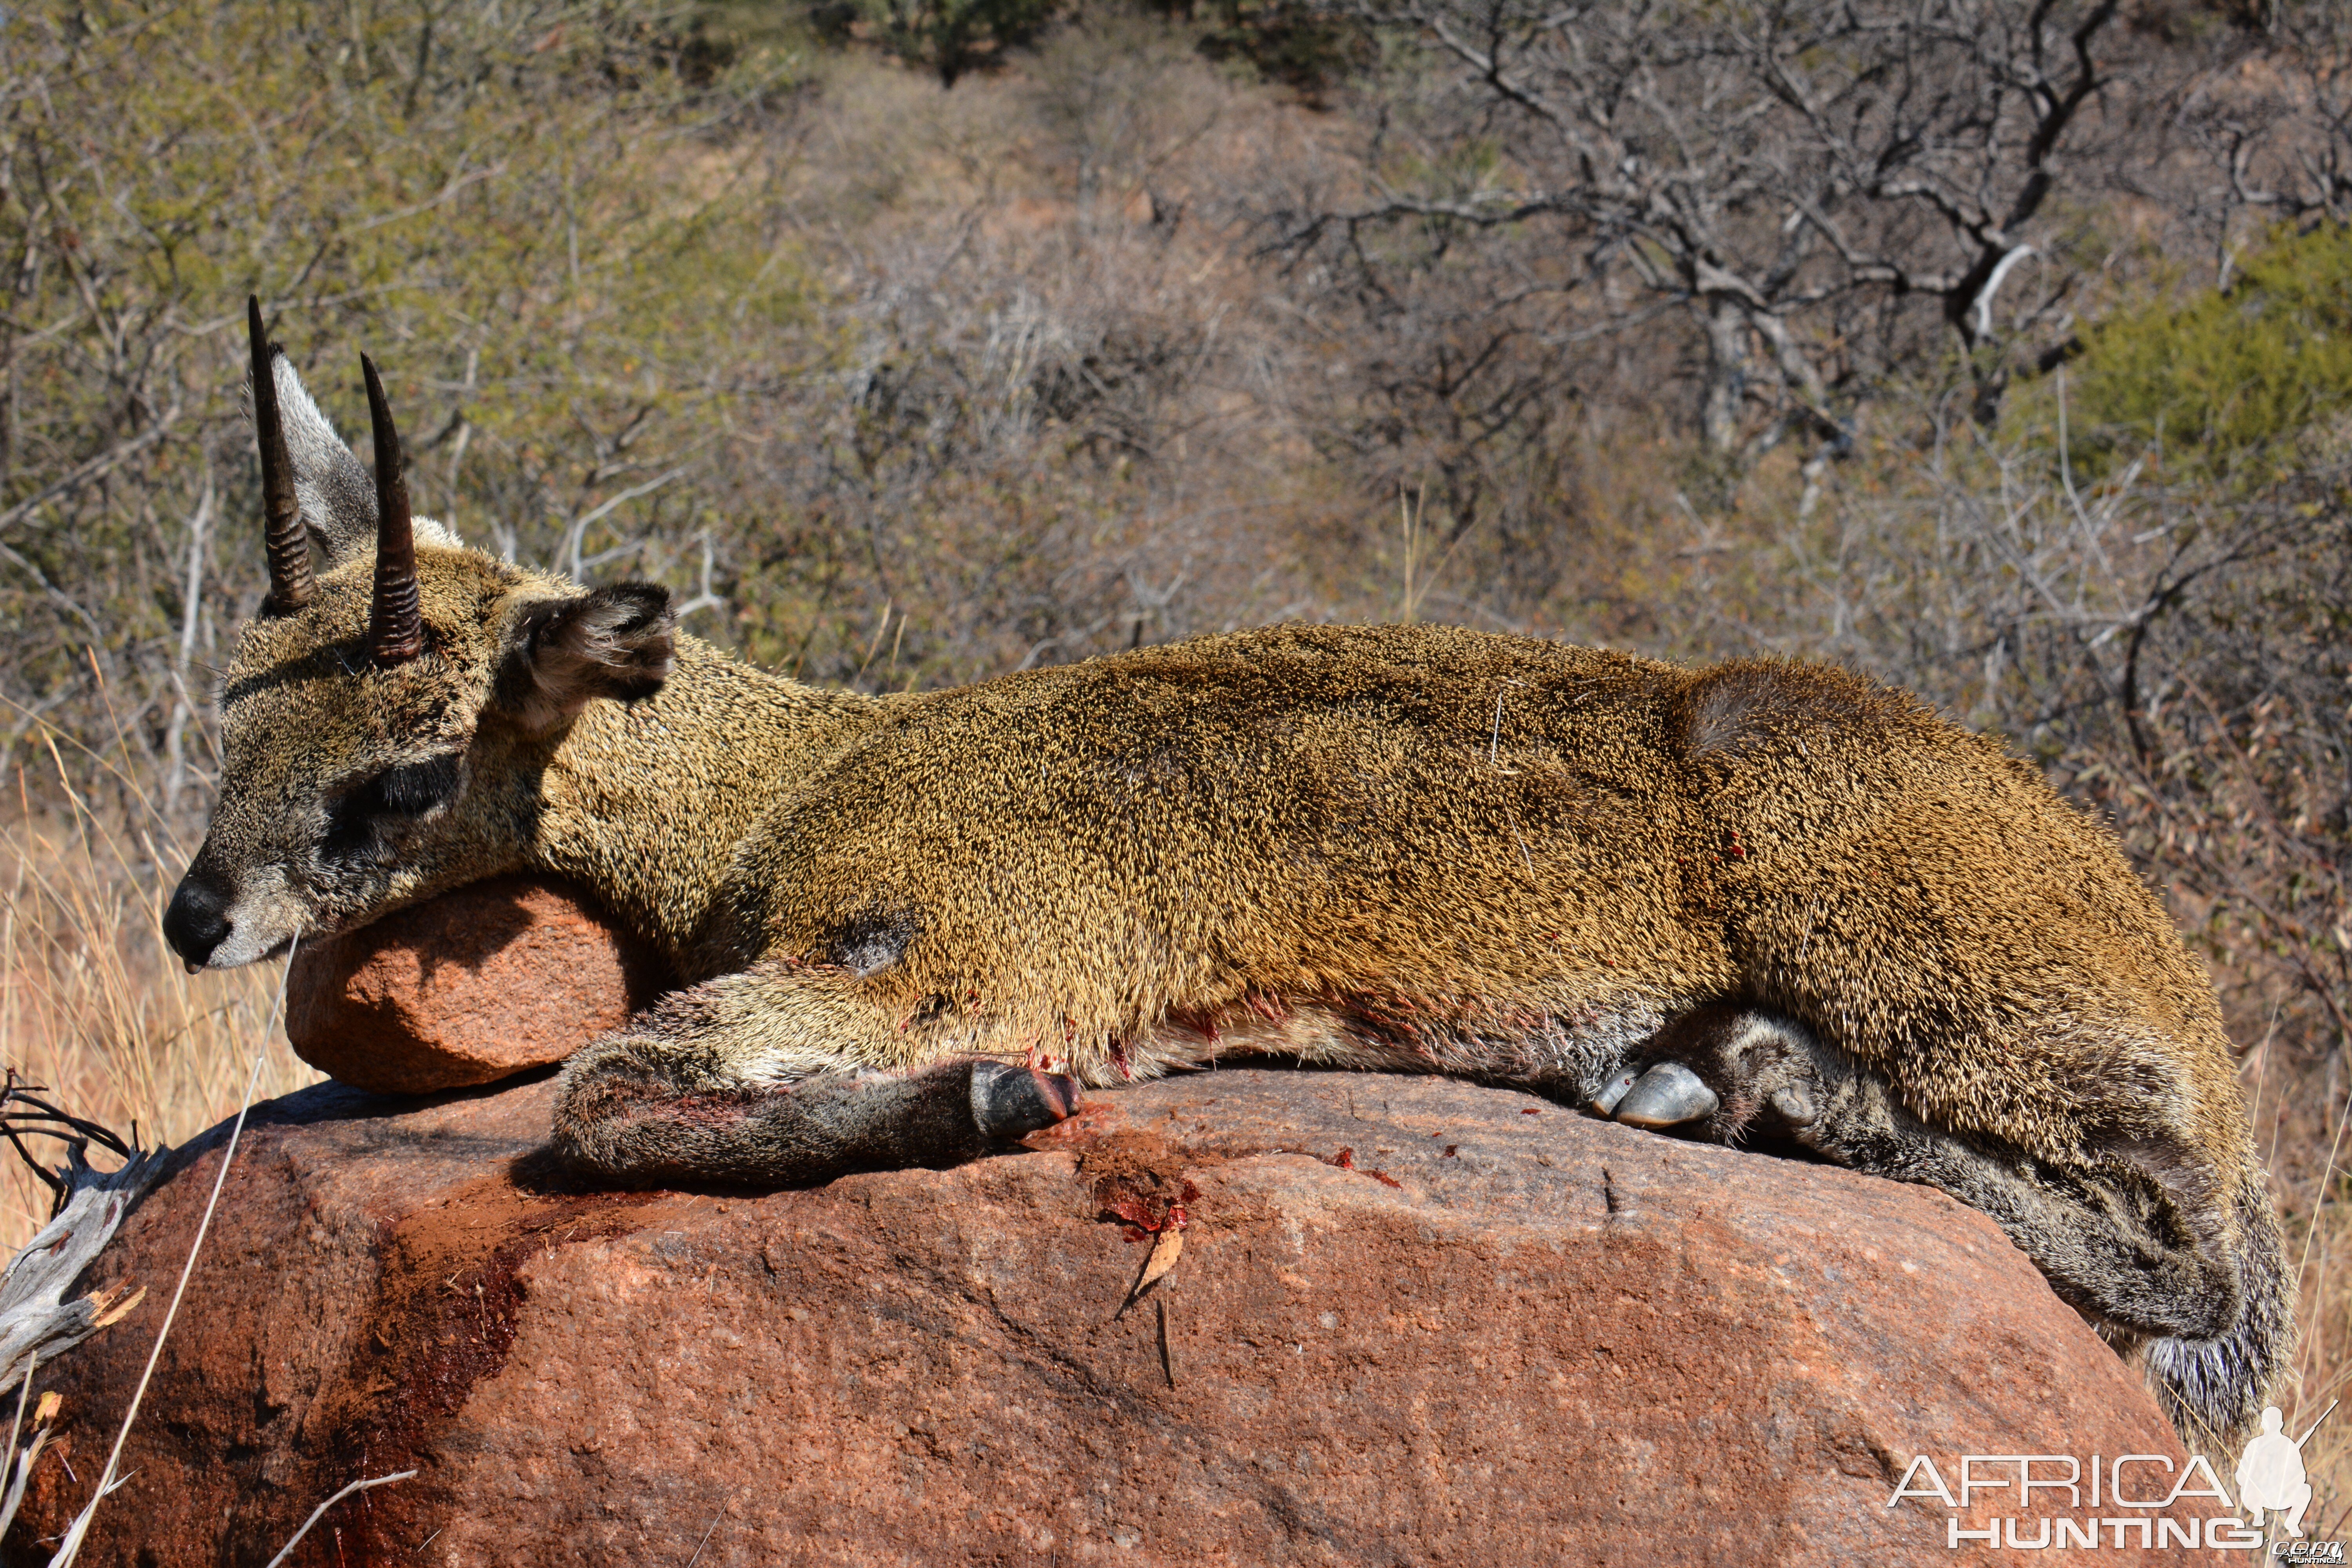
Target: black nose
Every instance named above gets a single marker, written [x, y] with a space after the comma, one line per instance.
[195, 923]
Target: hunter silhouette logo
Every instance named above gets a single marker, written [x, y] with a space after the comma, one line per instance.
[2270, 1472]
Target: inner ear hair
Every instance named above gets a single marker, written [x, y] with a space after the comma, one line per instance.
[338, 497]
[336, 494]
[562, 654]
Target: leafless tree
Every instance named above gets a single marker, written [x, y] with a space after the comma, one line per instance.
[2276, 139]
[1821, 188]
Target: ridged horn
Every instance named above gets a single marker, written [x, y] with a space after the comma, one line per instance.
[395, 621]
[283, 535]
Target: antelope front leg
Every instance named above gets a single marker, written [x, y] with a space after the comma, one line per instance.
[778, 1076]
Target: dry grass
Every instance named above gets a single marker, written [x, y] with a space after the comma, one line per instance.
[2300, 1116]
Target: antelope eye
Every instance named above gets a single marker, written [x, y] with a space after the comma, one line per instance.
[412, 789]
[356, 818]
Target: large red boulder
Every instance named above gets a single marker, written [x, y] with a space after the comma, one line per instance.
[476, 986]
[1413, 1321]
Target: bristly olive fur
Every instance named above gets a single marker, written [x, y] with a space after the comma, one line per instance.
[1400, 848]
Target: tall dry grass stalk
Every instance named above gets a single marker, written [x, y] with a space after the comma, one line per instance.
[2303, 1119]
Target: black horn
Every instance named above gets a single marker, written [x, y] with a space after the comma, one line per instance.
[288, 542]
[395, 623]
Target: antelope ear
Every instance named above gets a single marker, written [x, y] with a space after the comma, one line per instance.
[563, 654]
[337, 496]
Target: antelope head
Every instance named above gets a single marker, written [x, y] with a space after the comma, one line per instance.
[385, 718]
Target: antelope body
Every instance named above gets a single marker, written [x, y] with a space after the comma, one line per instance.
[1757, 901]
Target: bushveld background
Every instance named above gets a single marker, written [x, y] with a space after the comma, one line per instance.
[1999, 348]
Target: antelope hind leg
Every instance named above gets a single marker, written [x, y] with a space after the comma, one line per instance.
[2112, 1242]
[779, 1075]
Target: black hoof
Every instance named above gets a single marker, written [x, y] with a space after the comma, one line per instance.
[1010, 1102]
[1734, 1076]
[1668, 1095]
[1605, 1102]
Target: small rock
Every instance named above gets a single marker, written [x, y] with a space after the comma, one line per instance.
[475, 985]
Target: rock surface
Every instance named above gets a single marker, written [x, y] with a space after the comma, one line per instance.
[467, 988]
[1489, 1337]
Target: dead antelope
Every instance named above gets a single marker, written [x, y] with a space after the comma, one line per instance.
[1759, 900]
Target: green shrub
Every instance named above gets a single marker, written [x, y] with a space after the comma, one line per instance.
[2229, 384]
